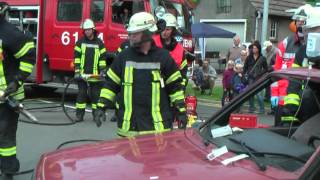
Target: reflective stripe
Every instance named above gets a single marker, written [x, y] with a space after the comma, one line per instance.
[289, 55]
[183, 64]
[24, 50]
[91, 45]
[83, 55]
[113, 76]
[292, 99]
[173, 77]
[155, 109]
[96, 61]
[127, 95]
[80, 105]
[102, 63]
[103, 50]
[8, 151]
[176, 96]
[19, 94]
[101, 105]
[3, 83]
[119, 50]
[76, 48]
[94, 106]
[182, 109]
[144, 65]
[26, 67]
[77, 60]
[289, 118]
[294, 65]
[121, 132]
[107, 94]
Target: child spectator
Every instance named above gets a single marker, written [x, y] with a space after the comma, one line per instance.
[237, 80]
[227, 84]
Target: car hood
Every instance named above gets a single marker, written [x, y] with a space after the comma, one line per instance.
[173, 155]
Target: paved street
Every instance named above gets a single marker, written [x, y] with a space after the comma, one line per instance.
[34, 140]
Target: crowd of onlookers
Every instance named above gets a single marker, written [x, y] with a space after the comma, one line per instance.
[244, 65]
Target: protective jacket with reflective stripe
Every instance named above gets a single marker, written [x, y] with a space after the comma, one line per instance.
[89, 56]
[293, 99]
[17, 57]
[147, 84]
[176, 51]
[284, 59]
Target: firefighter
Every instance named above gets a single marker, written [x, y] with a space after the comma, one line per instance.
[147, 81]
[166, 39]
[284, 60]
[17, 57]
[89, 59]
[293, 99]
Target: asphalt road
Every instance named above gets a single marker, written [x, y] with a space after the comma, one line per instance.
[34, 140]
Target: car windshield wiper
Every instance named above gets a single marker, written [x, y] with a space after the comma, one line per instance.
[261, 165]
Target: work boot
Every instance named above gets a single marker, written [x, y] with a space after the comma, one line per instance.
[79, 115]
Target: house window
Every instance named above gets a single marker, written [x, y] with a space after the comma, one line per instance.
[273, 29]
[224, 6]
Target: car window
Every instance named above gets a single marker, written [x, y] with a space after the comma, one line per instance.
[97, 10]
[123, 10]
[69, 10]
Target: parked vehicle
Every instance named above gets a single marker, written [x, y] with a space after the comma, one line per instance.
[253, 153]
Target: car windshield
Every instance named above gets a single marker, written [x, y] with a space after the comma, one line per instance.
[285, 147]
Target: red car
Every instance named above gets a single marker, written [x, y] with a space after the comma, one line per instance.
[258, 153]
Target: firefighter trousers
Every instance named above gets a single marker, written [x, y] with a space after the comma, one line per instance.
[94, 94]
[9, 163]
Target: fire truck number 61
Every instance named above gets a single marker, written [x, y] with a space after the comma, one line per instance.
[65, 37]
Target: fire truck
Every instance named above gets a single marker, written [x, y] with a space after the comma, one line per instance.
[55, 27]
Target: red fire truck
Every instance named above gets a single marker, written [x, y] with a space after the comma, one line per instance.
[55, 26]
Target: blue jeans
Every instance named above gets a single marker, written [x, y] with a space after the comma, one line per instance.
[260, 102]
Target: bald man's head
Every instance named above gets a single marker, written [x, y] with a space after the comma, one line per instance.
[236, 40]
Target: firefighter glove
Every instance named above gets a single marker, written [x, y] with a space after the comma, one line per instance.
[99, 116]
[11, 88]
[182, 121]
[274, 101]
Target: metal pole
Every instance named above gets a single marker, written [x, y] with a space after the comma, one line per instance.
[265, 20]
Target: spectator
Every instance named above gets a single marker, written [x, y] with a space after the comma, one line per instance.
[226, 83]
[237, 80]
[270, 52]
[208, 75]
[234, 51]
[242, 59]
[254, 67]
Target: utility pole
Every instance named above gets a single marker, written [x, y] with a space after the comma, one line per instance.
[265, 21]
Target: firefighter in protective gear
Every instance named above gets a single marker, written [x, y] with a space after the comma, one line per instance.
[89, 59]
[293, 99]
[147, 81]
[284, 60]
[17, 57]
[166, 39]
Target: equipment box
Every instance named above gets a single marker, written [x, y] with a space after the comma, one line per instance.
[243, 120]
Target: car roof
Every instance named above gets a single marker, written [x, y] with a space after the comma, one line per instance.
[298, 73]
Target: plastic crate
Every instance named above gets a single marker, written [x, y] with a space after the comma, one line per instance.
[243, 120]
